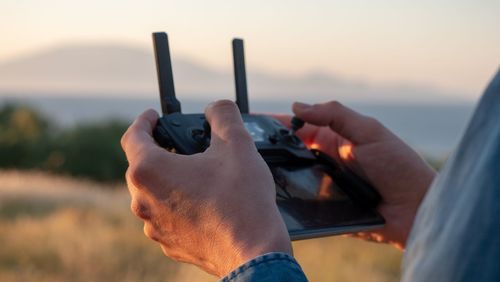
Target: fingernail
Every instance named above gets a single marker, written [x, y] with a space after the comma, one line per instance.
[301, 106]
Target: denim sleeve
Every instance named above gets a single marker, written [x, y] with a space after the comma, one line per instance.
[271, 267]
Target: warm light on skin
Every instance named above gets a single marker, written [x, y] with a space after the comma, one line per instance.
[313, 146]
[345, 152]
[377, 237]
[324, 189]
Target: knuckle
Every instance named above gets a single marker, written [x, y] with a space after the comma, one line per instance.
[172, 253]
[177, 258]
[150, 232]
[127, 176]
[167, 251]
[139, 173]
[140, 209]
[124, 139]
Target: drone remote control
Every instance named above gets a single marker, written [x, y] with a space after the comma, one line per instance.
[315, 195]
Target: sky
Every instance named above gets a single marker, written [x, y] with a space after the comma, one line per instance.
[449, 45]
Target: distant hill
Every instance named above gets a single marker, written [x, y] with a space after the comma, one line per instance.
[122, 70]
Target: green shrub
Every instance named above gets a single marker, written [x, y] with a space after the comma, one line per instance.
[91, 150]
[28, 140]
[24, 137]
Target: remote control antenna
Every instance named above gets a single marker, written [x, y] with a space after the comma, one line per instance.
[169, 104]
[240, 77]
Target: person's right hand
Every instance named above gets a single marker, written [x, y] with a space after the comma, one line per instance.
[364, 145]
[215, 209]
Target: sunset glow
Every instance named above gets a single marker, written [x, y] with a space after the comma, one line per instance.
[345, 152]
[450, 45]
[313, 146]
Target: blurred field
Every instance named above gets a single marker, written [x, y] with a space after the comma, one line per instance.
[60, 229]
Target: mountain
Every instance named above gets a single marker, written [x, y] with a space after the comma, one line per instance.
[112, 70]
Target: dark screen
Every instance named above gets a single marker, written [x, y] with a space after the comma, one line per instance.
[309, 198]
[255, 130]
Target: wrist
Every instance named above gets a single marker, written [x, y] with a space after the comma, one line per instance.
[276, 240]
[404, 217]
[280, 244]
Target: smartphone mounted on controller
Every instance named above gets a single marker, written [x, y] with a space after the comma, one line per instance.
[315, 195]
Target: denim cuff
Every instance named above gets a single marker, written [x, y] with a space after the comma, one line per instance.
[268, 267]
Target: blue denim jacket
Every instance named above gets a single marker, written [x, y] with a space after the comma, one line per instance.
[271, 267]
[456, 234]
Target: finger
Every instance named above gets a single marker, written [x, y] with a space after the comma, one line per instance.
[148, 170]
[349, 124]
[316, 137]
[140, 134]
[226, 124]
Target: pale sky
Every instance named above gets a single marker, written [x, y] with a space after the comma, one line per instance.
[450, 45]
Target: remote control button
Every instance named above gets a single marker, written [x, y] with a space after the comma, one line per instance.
[293, 141]
[197, 132]
[201, 137]
[162, 139]
[273, 139]
[198, 136]
[296, 141]
[277, 123]
[175, 122]
[284, 131]
[297, 124]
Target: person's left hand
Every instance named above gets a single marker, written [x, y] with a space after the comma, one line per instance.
[374, 153]
[215, 209]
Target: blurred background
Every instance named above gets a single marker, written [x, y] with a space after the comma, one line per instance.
[74, 74]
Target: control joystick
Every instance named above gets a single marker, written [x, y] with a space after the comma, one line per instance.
[296, 124]
[290, 137]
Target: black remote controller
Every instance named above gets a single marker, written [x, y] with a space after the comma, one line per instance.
[279, 146]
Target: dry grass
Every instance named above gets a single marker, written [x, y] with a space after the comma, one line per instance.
[59, 229]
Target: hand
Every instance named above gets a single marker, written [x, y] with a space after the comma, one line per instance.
[364, 145]
[215, 209]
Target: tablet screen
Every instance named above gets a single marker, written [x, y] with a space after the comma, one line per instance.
[310, 201]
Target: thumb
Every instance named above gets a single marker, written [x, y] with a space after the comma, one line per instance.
[226, 124]
[355, 127]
